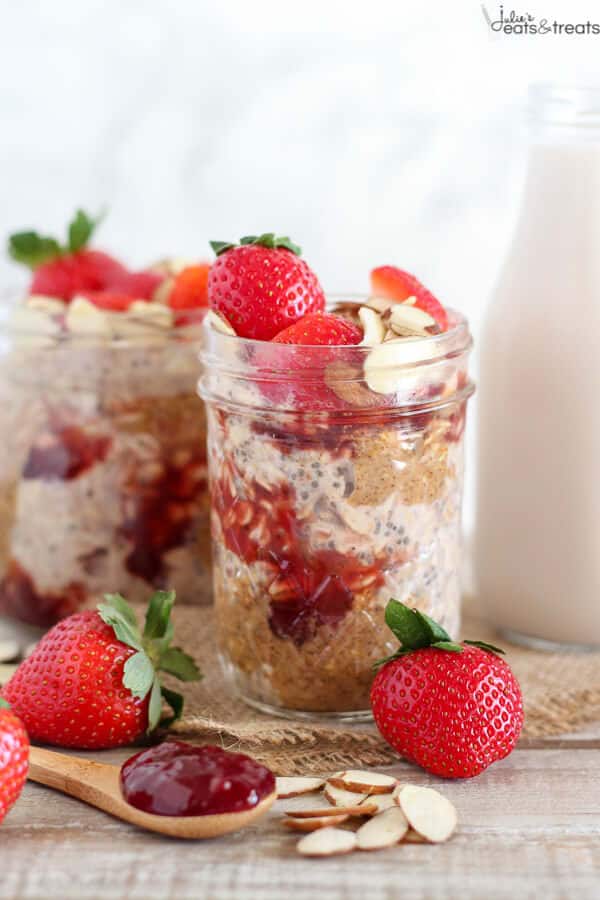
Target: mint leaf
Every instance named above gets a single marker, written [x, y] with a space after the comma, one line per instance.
[158, 614]
[31, 249]
[436, 632]
[175, 701]
[118, 602]
[123, 629]
[221, 246]
[449, 646]
[155, 705]
[80, 230]
[138, 674]
[180, 664]
[410, 630]
[483, 645]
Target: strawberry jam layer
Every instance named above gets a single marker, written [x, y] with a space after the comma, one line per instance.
[160, 511]
[178, 779]
[21, 599]
[309, 587]
[65, 452]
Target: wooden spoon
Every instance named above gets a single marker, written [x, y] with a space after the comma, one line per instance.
[99, 785]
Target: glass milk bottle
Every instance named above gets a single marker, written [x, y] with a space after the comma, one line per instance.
[537, 549]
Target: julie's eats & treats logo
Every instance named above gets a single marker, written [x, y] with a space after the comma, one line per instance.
[517, 23]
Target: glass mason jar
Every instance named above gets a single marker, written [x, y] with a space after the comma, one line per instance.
[336, 478]
[536, 540]
[103, 482]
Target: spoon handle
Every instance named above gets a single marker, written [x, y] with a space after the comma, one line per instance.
[82, 778]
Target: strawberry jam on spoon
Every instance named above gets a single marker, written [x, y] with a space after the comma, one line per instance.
[179, 779]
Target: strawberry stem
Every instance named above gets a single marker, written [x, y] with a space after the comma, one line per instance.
[269, 240]
[33, 249]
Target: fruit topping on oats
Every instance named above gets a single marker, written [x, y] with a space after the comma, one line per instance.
[262, 285]
[320, 329]
[391, 283]
[452, 708]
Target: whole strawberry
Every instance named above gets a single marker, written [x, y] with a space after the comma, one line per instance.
[14, 758]
[453, 709]
[93, 681]
[261, 285]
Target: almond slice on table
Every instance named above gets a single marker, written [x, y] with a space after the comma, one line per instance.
[381, 802]
[428, 812]
[361, 809]
[384, 830]
[413, 837]
[342, 797]
[315, 823]
[363, 782]
[327, 842]
[290, 786]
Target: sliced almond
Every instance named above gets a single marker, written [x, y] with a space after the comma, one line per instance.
[342, 797]
[361, 809]
[428, 812]
[384, 830]
[413, 837]
[9, 651]
[380, 304]
[84, 318]
[49, 305]
[219, 323]
[410, 318]
[6, 672]
[314, 823]
[364, 782]
[327, 842]
[295, 786]
[410, 301]
[373, 327]
[381, 802]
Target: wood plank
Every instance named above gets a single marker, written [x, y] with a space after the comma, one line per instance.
[529, 827]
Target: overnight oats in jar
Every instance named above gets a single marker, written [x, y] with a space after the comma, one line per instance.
[103, 477]
[335, 451]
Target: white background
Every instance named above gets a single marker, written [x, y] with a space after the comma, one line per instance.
[372, 132]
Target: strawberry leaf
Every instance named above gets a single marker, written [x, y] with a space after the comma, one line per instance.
[450, 646]
[221, 246]
[124, 631]
[287, 244]
[406, 625]
[158, 614]
[180, 664]
[483, 645]
[81, 230]
[138, 674]
[4, 704]
[155, 705]
[435, 630]
[32, 249]
[118, 602]
[175, 701]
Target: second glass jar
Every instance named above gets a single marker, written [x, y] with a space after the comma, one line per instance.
[336, 480]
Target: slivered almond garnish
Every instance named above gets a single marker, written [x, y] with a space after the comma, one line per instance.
[295, 786]
[373, 327]
[342, 797]
[218, 322]
[314, 823]
[327, 842]
[384, 830]
[361, 809]
[428, 812]
[403, 317]
[363, 782]
[379, 304]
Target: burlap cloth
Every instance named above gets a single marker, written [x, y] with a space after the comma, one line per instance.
[561, 691]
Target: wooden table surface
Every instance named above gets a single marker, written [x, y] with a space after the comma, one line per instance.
[529, 828]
